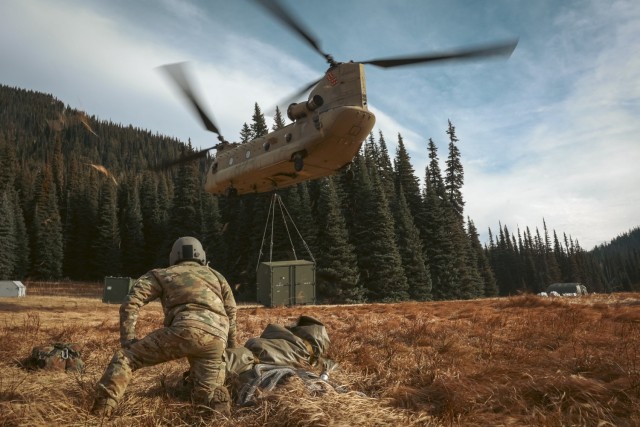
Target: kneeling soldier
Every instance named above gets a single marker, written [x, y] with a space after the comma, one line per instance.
[199, 323]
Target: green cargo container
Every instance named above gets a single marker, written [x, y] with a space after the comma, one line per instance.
[286, 283]
[116, 289]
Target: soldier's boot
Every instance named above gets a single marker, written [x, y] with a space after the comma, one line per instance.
[221, 401]
[103, 407]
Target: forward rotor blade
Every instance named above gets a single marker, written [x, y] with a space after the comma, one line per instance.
[188, 158]
[503, 49]
[176, 72]
[277, 10]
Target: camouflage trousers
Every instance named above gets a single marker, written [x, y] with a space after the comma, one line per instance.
[204, 352]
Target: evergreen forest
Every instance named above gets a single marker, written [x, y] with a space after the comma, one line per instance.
[81, 200]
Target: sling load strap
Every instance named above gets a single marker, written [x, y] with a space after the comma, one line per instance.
[277, 200]
[297, 231]
[266, 377]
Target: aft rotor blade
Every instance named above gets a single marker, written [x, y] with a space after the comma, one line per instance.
[188, 158]
[288, 100]
[177, 74]
[503, 49]
[276, 9]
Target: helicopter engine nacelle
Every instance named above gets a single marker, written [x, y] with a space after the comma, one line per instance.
[299, 111]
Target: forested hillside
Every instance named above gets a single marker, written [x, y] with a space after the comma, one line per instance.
[80, 201]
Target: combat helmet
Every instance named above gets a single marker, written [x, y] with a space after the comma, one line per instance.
[187, 249]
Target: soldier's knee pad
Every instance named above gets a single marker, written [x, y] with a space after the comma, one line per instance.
[219, 378]
[126, 359]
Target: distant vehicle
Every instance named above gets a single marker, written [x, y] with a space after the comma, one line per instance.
[567, 288]
[328, 128]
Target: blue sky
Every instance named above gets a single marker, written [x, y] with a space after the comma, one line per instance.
[552, 132]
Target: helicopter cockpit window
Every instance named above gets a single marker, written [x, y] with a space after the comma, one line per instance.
[214, 168]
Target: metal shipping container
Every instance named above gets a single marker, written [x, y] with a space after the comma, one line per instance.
[286, 283]
[116, 289]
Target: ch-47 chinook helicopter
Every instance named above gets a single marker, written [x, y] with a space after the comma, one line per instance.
[327, 129]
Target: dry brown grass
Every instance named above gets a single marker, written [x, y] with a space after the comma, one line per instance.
[516, 361]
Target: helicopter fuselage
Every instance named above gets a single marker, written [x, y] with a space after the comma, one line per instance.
[322, 140]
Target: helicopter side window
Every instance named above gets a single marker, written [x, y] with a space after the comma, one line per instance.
[247, 154]
[267, 145]
[230, 161]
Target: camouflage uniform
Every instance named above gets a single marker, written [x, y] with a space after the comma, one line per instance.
[200, 321]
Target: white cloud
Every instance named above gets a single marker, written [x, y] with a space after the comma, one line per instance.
[578, 165]
[550, 133]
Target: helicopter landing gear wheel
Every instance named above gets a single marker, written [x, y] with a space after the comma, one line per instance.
[298, 162]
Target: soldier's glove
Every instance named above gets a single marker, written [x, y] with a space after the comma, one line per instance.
[128, 343]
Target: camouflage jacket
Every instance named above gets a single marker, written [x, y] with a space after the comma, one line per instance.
[191, 295]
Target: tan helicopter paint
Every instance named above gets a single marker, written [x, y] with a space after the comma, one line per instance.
[327, 138]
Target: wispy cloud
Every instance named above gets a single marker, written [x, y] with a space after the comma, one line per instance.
[576, 166]
[550, 133]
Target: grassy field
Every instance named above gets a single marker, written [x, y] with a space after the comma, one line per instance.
[516, 361]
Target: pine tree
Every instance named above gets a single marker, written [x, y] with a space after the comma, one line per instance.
[552, 269]
[278, 120]
[47, 230]
[464, 255]
[490, 288]
[8, 164]
[433, 173]
[243, 224]
[153, 220]
[406, 178]
[8, 237]
[131, 232]
[415, 267]
[9, 205]
[259, 124]
[255, 215]
[465, 281]
[507, 272]
[22, 250]
[454, 177]
[214, 245]
[337, 274]
[57, 167]
[379, 260]
[246, 134]
[106, 245]
[305, 220]
[185, 217]
[235, 235]
[534, 274]
[83, 195]
[384, 166]
[435, 233]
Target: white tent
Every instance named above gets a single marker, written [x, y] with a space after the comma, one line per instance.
[12, 288]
